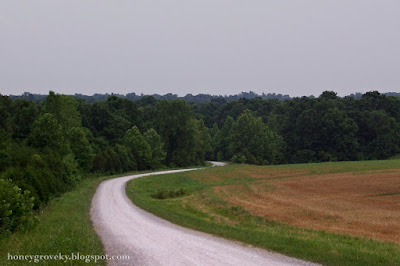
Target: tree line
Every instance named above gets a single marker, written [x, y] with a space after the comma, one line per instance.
[48, 146]
[189, 98]
[327, 128]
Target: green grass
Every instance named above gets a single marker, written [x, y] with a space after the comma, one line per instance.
[343, 167]
[64, 227]
[385, 194]
[395, 157]
[233, 222]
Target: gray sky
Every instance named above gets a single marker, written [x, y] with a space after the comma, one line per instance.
[298, 47]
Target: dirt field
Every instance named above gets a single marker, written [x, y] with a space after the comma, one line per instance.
[364, 203]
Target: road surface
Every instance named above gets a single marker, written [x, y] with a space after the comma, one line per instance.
[125, 229]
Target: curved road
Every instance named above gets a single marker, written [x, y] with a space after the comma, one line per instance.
[125, 229]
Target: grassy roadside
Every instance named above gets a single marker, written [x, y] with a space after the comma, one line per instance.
[64, 227]
[180, 192]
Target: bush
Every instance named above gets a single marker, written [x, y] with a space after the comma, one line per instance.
[15, 207]
[167, 194]
[238, 158]
[70, 171]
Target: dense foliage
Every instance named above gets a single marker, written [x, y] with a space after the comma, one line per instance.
[15, 206]
[47, 146]
[327, 128]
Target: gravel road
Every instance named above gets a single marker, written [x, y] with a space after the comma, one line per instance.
[125, 229]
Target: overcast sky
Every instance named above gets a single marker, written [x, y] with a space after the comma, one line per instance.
[298, 47]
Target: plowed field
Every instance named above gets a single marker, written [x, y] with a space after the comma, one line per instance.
[356, 203]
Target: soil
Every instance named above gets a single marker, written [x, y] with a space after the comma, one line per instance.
[365, 204]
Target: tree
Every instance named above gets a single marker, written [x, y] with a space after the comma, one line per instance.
[64, 109]
[251, 141]
[338, 137]
[101, 120]
[139, 147]
[25, 113]
[221, 139]
[46, 133]
[126, 159]
[157, 148]
[5, 150]
[201, 141]
[215, 134]
[329, 95]
[174, 124]
[379, 134]
[81, 148]
[6, 110]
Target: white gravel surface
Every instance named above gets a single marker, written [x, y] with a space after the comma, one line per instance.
[125, 229]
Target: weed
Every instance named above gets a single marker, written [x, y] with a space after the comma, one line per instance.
[384, 194]
[168, 194]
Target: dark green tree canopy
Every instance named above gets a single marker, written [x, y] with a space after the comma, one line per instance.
[251, 141]
[157, 148]
[138, 146]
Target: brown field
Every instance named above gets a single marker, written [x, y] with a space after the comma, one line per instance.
[364, 203]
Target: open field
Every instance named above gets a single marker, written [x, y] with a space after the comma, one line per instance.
[365, 203]
[331, 213]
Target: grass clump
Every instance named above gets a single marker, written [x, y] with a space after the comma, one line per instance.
[385, 194]
[168, 194]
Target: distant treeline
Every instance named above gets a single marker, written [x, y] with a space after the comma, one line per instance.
[199, 98]
[48, 145]
[190, 98]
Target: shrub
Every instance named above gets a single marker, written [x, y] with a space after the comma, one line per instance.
[167, 194]
[238, 158]
[15, 207]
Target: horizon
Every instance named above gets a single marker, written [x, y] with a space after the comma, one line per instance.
[184, 95]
